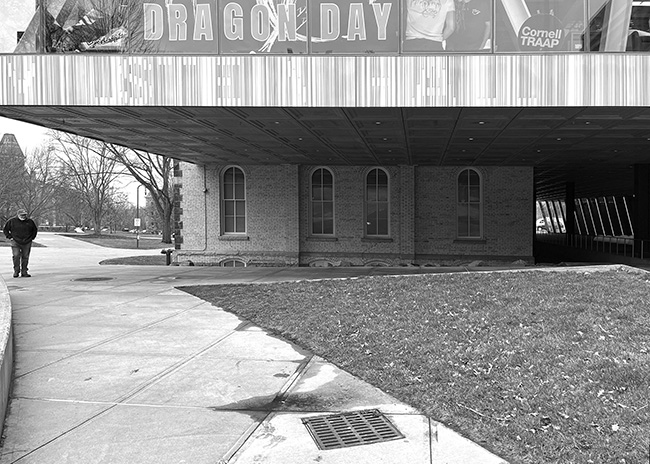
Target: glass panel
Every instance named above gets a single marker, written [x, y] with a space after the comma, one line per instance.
[316, 225]
[317, 218]
[463, 194]
[474, 221]
[316, 193]
[382, 177]
[18, 23]
[473, 29]
[328, 193]
[473, 177]
[241, 224]
[371, 193]
[324, 26]
[382, 221]
[229, 225]
[229, 208]
[328, 211]
[327, 177]
[228, 190]
[542, 26]
[239, 191]
[639, 33]
[382, 193]
[475, 193]
[340, 26]
[371, 219]
[240, 208]
[328, 226]
[248, 26]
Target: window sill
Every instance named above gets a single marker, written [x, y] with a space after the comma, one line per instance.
[317, 238]
[471, 241]
[234, 238]
[377, 239]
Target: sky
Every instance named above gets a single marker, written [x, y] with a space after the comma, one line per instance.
[29, 136]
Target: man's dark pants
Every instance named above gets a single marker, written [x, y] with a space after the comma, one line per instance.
[21, 256]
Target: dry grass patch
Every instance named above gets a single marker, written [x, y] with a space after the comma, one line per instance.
[539, 367]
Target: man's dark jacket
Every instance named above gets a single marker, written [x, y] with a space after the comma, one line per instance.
[23, 232]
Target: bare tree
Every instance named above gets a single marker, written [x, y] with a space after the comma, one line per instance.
[154, 172]
[90, 170]
[68, 208]
[40, 183]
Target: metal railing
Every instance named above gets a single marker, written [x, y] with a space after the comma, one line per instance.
[616, 245]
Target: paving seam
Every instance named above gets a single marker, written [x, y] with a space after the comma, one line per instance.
[67, 298]
[279, 398]
[104, 342]
[120, 400]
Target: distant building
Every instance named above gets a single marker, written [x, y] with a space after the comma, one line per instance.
[10, 151]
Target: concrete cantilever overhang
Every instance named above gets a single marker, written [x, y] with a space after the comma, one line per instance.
[326, 81]
[579, 117]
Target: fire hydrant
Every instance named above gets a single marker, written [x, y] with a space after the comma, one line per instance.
[168, 255]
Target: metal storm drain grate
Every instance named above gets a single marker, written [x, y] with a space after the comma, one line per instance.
[92, 279]
[351, 429]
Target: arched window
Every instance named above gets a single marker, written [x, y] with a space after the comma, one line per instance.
[377, 205]
[234, 201]
[322, 202]
[470, 204]
[233, 263]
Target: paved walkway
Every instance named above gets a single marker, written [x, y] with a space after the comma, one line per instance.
[127, 369]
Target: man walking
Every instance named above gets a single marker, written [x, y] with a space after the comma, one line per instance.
[21, 231]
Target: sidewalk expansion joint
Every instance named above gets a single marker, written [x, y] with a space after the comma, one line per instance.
[278, 400]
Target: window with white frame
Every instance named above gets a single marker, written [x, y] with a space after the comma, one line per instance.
[377, 204]
[234, 201]
[322, 202]
[470, 204]
[233, 263]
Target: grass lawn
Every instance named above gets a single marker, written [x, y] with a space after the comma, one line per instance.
[156, 260]
[121, 240]
[539, 367]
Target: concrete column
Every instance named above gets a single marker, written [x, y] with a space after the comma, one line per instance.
[292, 212]
[569, 201]
[641, 210]
[407, 213]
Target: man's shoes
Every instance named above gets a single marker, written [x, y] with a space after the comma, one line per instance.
[25, 275]
[16, 274]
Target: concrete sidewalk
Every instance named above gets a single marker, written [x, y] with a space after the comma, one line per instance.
[114, 365]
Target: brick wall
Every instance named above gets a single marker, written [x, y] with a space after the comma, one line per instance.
[349, 246]
[271, 236]
[508, 208]
[422, 217]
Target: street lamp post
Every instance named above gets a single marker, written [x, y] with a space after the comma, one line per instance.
[137, 215]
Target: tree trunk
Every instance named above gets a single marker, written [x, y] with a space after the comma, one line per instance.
[167, 225]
